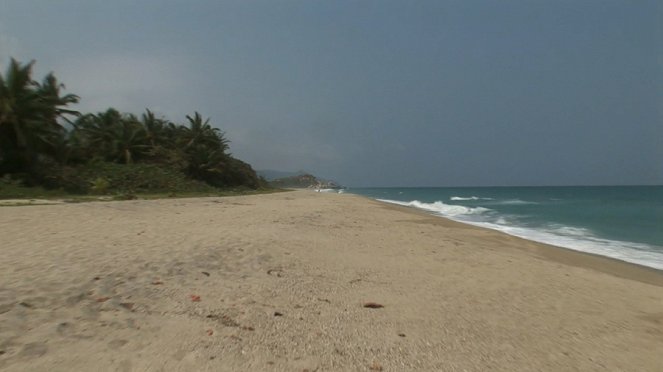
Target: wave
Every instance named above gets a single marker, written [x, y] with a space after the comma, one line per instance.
[440, 208]
[463, 198]
[515, 202]
[583, 240]
[569, 237]
[500, 202]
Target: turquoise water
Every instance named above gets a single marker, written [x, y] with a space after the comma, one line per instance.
[623, 222]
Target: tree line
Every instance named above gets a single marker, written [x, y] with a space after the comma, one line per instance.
[42, 139]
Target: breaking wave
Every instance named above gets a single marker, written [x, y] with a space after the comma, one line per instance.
[516, 202]
[464, 198]
[440, 208]
[579, 239]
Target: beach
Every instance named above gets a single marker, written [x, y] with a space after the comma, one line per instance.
[282, 282]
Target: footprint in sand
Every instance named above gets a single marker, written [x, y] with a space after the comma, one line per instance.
[69, 329]
[116, 344]
[6, 306]
[124, 366]
[65, 329]
[33, 350]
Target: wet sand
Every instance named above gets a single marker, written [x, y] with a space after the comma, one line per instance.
[279, 282]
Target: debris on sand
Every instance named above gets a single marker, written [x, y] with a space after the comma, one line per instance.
[375, 367]
[127, 305]
[277, 272]
[224, 319]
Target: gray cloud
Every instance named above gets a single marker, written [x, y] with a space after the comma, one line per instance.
[129, 82]
[377, 93]
[9, 47]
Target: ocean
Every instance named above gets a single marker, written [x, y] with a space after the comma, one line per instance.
[622, 222]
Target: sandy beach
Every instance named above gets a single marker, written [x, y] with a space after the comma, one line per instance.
[280, 282]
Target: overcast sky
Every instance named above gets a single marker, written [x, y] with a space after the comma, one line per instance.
[377, 93]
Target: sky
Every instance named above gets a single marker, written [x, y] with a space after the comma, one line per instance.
[376, 93]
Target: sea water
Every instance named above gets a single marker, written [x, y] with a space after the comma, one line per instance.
[622, 222]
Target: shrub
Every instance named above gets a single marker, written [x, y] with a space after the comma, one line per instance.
[100, 185]
[140, 178]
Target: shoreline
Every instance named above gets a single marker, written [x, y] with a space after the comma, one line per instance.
[281, 282]
[567, 256]
[597, 249]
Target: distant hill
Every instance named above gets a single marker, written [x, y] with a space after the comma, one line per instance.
[303, 181]
[270, 175]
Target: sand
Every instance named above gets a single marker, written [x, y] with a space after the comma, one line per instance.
[279, 282]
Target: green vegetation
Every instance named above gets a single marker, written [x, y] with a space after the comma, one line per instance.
[47, 149]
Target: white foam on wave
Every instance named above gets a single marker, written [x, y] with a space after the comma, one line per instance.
[578, 239]
[464, 198]
[440, 208]
[501, 202]
[583, 240]
[515, 202]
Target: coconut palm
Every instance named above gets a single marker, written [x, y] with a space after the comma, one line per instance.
[111, 136]
[204, 148]
[204, 163]
[201, 132]
[49, 91]
[155, 128]
[29, 114]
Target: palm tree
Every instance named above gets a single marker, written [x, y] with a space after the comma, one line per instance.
[57, 144]
[29, 114]
[201, 132]
[49, 91]
[204, 163]
[155, 128]
[204, 148]
[111, 136]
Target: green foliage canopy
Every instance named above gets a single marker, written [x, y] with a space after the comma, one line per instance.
[35, 144]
